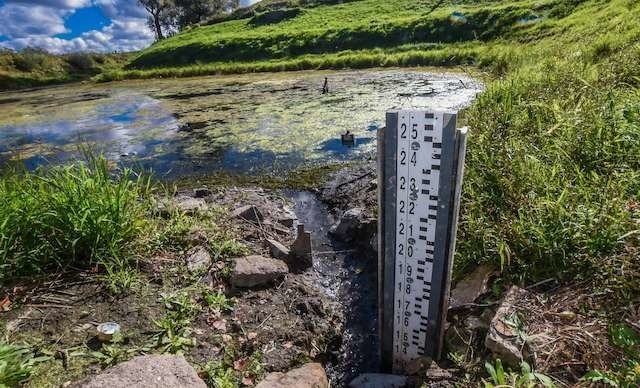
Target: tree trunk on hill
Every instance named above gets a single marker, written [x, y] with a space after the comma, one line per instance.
[158, 27]
[156, 9]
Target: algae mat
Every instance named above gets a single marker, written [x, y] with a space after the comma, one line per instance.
[249, 124]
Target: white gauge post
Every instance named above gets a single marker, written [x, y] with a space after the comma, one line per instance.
[420, 166]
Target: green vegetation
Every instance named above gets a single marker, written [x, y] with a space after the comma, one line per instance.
[15, 365]
[356, 34]
[525, 378]
[626, 373]
[35, 67]
[78, 215]
[552, 180]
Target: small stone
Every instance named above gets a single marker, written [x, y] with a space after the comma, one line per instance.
[201, 192]
[302, 249]
[278, 250]
[82, 328]
[198, 259]
[567, 316]
[349, 223]
[308, 376]
[190, 205]
[250, 213]
[287, 218]
[156, 371]
[436, 374]
[379, 380]
[502, 339]
[471, 287]
[252, 271]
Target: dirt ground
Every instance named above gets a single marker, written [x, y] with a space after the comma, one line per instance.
[282, 325]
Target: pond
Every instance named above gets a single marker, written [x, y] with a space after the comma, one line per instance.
[247, 124]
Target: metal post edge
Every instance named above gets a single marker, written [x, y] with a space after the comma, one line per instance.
[461, 148]
[386, 237]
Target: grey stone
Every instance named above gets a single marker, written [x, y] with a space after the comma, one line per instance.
[201, 192]
[249, 212]
[379, 380]
[278, 250]
[471, 287]
[157, 371]
[308, 376]
[287, 218]
[437, 374]
[253, 271]
[503, 339]
[302, 249]
[190, 205]
[349, 223]
[198, 258]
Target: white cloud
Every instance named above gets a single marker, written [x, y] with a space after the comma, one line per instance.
[36, 22]
[121, 35]
[20, 20]
[56, 4]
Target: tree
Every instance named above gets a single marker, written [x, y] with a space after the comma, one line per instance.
[168, 16]
[191, 12]
[158, 10]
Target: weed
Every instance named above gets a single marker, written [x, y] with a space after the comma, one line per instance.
[116, 352]
[174, 335]
[16, 363]
[217, 300]
[220, 376]
[526, 378]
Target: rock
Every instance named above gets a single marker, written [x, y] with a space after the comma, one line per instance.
[373, 242]
[437, 374]
[278, 250]
[190, 205]
[277, 228]
[198, 259]
[252, 271]
[503, 339]
[201, 192]
[354, 225]
[308, 376]
[250, 213]
[349, 223]
[287, 218]
[148, 372]
[379, 380]
[302, 249]
[471, 287]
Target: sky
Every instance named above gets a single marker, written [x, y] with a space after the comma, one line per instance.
[62, 26]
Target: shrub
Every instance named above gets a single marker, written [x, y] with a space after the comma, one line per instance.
[30, 59]
[81, 62]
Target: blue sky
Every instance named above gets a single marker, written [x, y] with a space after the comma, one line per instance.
[75, 25]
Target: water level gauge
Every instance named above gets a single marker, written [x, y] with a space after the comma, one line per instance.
[421, 160]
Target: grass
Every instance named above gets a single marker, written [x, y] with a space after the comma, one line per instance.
[79, 215]
[34, 67]
[15, 365]
[552, 180]
[357, 25]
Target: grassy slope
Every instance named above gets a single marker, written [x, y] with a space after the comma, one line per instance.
[36, 68]
[362, 33]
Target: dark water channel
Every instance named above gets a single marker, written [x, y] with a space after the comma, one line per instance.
[349, 277]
